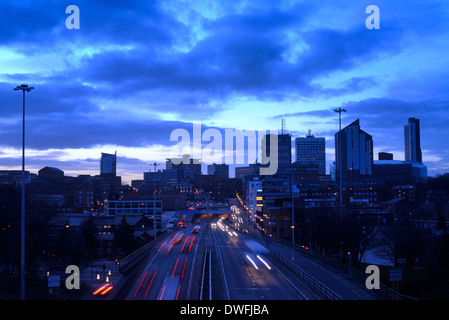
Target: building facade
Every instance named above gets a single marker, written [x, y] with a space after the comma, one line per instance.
[254, 199]
[412, 141]
[354, 152]
[152, 209]
[251, 170]
[283, 150]
[108, 163]
[311, 150]
[186, 166]
[50, 173]
[221, 170]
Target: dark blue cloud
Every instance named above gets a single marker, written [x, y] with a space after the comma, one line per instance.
[148, 55]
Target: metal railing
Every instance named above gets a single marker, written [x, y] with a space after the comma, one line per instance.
[129, 260]
[357, 275]
[311, 281]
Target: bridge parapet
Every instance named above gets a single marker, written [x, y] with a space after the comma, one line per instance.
[205, 211]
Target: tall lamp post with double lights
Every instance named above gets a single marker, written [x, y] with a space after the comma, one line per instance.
[339, 111]
[24, 89]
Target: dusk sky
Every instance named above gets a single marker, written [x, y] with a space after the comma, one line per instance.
[137, 70]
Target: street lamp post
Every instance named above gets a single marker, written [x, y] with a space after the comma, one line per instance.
[154, 204]
[24, 89]
[293, 211]
[291, 169]
[349, 256]
[339, 111]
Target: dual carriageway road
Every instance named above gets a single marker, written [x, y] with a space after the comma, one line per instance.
[208, 261]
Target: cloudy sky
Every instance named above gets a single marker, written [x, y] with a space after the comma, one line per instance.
[137, 70]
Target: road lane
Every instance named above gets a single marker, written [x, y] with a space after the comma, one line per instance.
[170, 274]
[237, 267]
[247, 277]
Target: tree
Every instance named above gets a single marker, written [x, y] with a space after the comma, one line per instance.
[387, 244]
[404, 239]
[89, 234]
[38, 233]
[356, 237]
[9, 227]
[412, 235]
[124, 237]
[68, 247]
[441, 249]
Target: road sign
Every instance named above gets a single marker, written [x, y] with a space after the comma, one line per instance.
[54, 281]
[395, 275]
[293, 258]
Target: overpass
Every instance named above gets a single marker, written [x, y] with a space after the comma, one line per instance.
[206, 211]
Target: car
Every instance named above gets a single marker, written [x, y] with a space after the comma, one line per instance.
[196, 229]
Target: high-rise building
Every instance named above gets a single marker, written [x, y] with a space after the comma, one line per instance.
[311, 150]
[162, 177]
[251, 170]
[284, 152]
[254, 200]
[412, 141]
[354, 148]
[221, 170]
[108, 163]
[187, 166]
[385, 156]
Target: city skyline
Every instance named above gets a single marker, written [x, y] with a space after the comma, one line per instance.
[124, 82]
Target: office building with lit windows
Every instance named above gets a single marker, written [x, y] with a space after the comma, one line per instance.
[354, 151]
[311, 150]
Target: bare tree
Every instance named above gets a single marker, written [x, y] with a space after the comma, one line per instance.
[387, 244]
[404, 239]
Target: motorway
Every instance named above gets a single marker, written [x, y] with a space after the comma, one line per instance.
[216, 263]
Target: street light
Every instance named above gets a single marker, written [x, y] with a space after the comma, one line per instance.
[291, 169]
[154, 204]
[24, 89]
[339, 111]
[349, 256]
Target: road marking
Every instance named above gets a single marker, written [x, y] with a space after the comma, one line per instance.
[210, 274]
[193, 262]
[221, 263]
